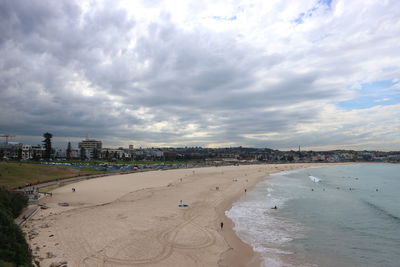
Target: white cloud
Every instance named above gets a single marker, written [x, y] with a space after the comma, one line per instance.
[199, 72]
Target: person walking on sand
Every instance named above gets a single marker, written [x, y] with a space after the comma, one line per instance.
[222, 225]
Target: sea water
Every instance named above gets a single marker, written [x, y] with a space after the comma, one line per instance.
[343, 215]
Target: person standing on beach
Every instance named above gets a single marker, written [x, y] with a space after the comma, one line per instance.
[222, 225]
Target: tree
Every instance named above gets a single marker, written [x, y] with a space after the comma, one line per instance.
[95, 153]
[47, 145]
[69, 151]
[36, 156]
[83, 153]
[14, 251]
[19, 153]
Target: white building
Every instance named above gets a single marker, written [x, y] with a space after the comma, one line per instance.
[27, 152]
[90, 147]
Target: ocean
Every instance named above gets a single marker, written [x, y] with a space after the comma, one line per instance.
[343, 215]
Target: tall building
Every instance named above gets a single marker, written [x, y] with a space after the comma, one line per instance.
[91, 148]
[90, 144]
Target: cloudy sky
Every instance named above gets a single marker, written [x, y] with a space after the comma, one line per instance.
[322, 74]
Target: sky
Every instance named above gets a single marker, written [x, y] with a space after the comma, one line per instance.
[322, 74]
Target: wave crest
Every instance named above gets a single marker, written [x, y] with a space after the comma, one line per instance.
[382, 211]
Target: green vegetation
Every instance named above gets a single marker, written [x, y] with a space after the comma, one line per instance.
[14, 174]
[14, 251]
[137, 162]
[47, 145]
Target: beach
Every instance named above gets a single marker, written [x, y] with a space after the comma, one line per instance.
[136, 219]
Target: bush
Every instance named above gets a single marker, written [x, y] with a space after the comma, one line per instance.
[12, 202]
[14, 251]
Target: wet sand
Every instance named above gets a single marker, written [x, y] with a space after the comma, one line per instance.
[135, 219]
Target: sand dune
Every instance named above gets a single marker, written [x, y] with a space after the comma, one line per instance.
[135, 220]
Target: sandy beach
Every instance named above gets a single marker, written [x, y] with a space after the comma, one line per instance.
[135, 219]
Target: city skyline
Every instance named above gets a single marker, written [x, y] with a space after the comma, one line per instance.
[75, 145]
[322, 74]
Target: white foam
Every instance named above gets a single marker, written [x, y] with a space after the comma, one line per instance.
[256, 225]
[314, 179]
[275, 262]
[284, 173]
[273, 251]
[260, 226]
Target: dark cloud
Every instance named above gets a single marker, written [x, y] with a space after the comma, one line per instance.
[73, 69]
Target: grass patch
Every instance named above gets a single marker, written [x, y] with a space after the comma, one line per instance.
[13, 174]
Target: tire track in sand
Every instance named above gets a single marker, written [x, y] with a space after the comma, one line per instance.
[168, 241]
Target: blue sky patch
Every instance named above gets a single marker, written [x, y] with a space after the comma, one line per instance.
[325, 2]
[372, 94]
[224, 18]
[309, 13]
[299, 19]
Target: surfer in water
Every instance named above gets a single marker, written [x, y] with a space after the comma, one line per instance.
[275, 208]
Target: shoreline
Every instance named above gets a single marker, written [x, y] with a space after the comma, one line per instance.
[240, 253]
[174, 236]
